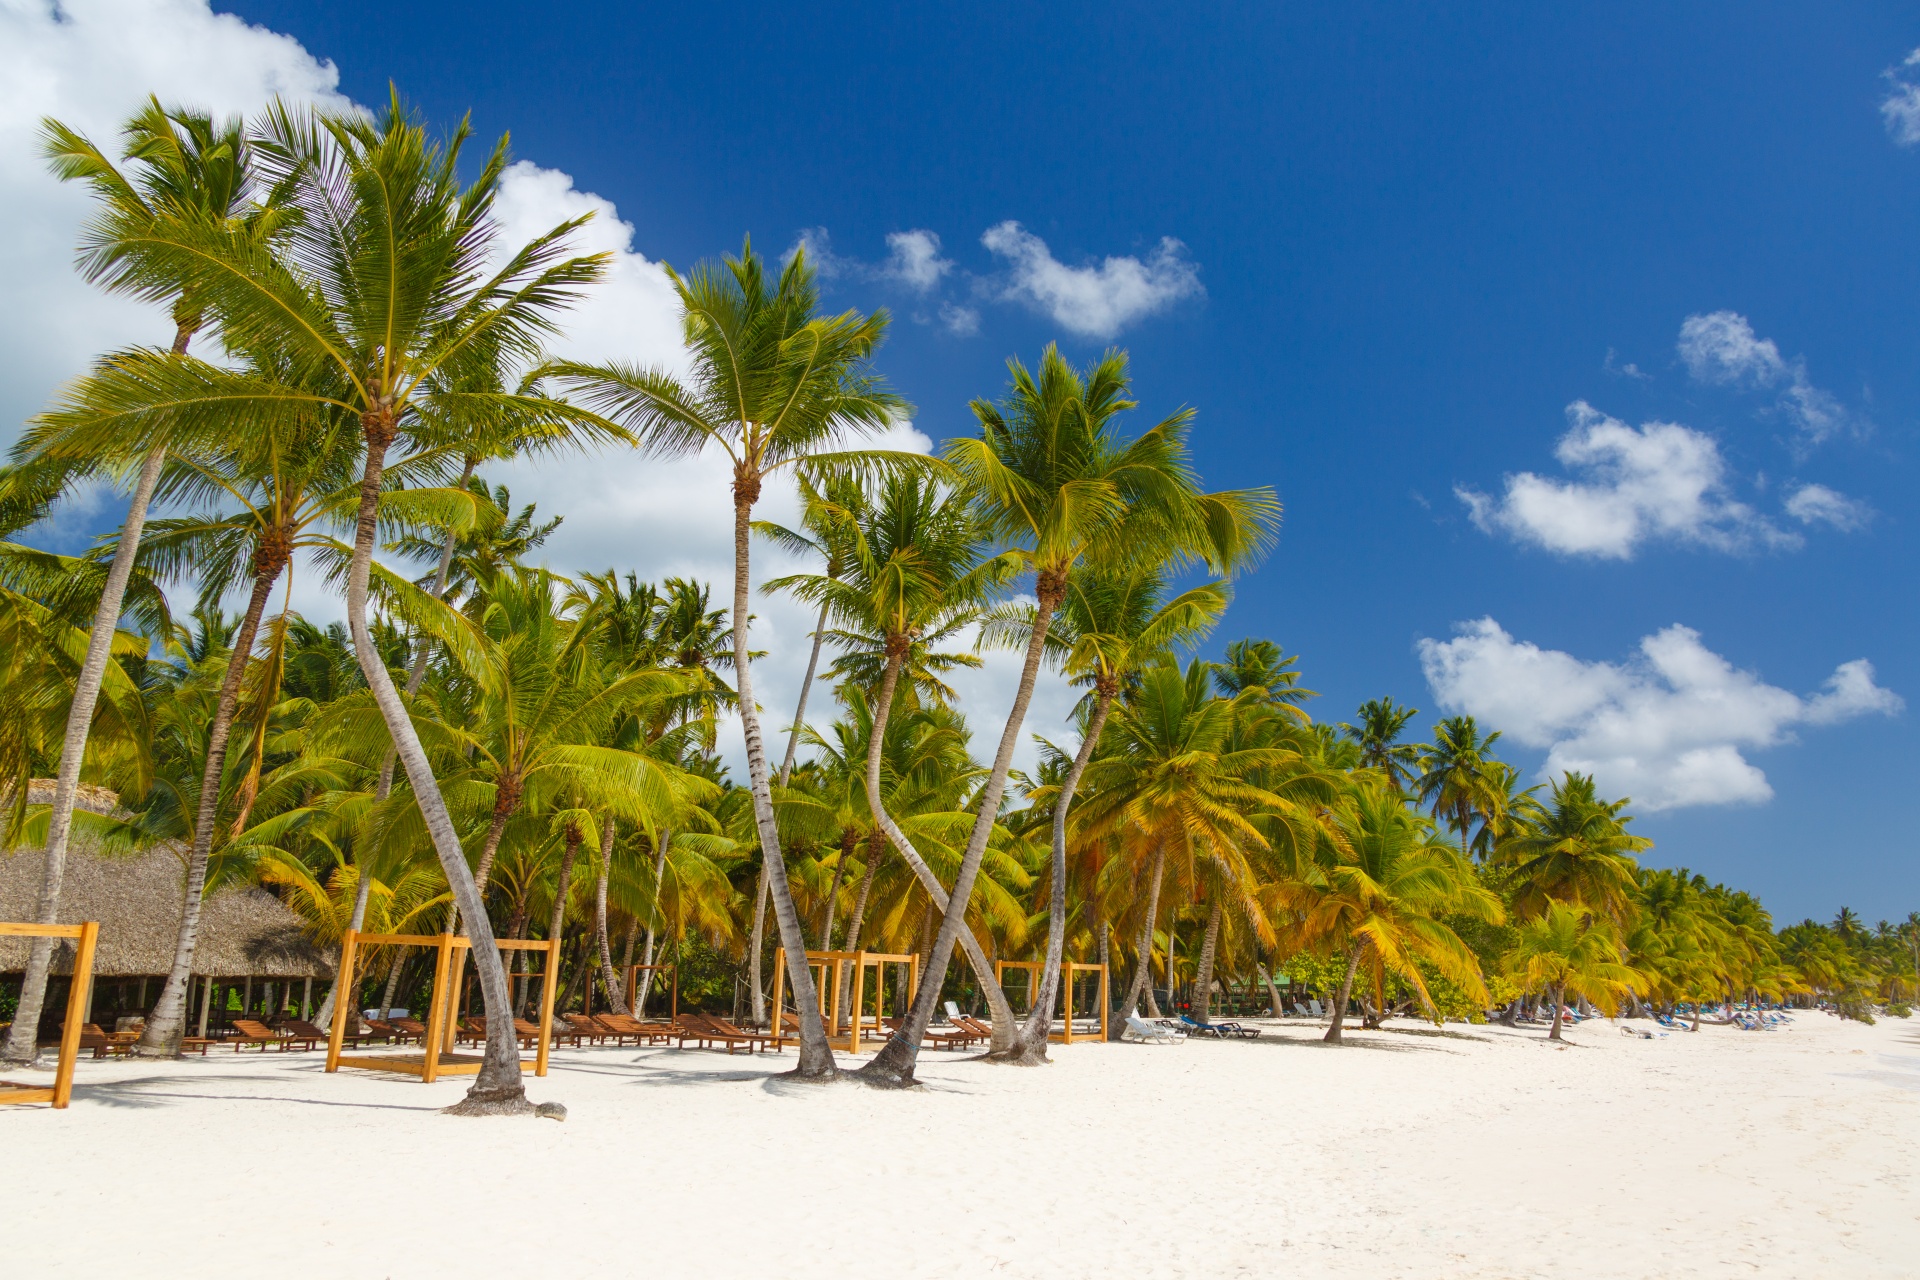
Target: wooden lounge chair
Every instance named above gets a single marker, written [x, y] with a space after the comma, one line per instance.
[104, 1044]
[955, 1039]
[246, 1031]
[694, 1026]
[984, 1030]
[530, 1033]
[626, 1027]
[582, 1027]
[759, 1038]
[409, 1031]
[303, 1029]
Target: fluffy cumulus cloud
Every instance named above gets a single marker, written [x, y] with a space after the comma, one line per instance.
[1629, 486]
[1817, 504]
[1900, 109]
[91, 63]
[1668, 726]
[1099, 299]
[1720, 348]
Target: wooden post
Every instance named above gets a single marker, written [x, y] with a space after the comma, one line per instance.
[457, 977]
[546, 1006]
[1066, 997]
[676, 988]
[913, 979]
[779, 991]
[1103, 1004]
[859, 990]
[436, 1010]
[633, 980]
[79, 998]
[344, 1001]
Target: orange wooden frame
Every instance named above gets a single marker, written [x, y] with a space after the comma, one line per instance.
[88, 938]
[830, 965]
[443, 1011]
[1067, 969]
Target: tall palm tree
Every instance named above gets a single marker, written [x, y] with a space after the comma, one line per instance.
[186, 170]
[385, 279]
[1112, 623]
[775, 385]
[1456, 777]
[1059, 488]
[1575, 849]
[915, 570]
[1382, 721]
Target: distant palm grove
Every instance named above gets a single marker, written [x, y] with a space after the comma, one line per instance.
[492, 748]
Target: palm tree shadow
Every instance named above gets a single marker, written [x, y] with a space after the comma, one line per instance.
[138, 1094]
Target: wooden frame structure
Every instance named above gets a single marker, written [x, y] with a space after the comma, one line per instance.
[1067, 969]
[443, 1010]
[79, 989]
[830, 965]
[633, 985]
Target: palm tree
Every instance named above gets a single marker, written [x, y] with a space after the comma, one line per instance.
[385, 280]
[1455, 775]
[192, 171]
[915, 571]
[1111, 624]
[774, 386]
[1378, 737]
[1575, 850]
[1058, 487]
[1377, 896]
[1567, 950]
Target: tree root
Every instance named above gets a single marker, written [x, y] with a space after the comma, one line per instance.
[1019, 1055]
[496, 1102]
[875, 1075]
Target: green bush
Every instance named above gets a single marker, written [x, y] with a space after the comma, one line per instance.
[1899, 1009]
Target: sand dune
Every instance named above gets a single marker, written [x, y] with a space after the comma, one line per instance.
[1474, 1152]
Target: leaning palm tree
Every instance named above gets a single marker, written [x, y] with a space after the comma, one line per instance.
[186, 170]
[1382, 721]
[1058, 487]
[1576, 849]
[1112, 623]
[774, 386]
[388, 278]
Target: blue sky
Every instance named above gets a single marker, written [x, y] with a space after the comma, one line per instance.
[1418, 237]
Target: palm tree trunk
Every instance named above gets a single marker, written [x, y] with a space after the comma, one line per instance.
[1203, 980]
[497, 1089]
[1559, 1005]
[847, 841]
[21, 1046]
[1273, 994]
[1333, 1035]
[757, 946]
[1033, 1036]
[1143, 957]
[1004, 1021]
[361, 890]
[567, 855]
[876, 846]
[417, 671]
[661, 843]
[393, 985]
[815, 1056]
[616, 998]
[167, 1021]
[806, 687]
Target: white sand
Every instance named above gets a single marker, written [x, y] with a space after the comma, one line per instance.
[1478, 1153]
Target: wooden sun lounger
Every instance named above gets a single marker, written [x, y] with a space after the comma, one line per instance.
[103, 1044]
[409, 1029]
[626, 1027]
[722, 1024]
[696, 1027]
[248, 1031]
[581, 1027]
[307, 1029]
[957, 1039]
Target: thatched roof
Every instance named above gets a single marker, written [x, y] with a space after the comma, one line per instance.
[137, 900]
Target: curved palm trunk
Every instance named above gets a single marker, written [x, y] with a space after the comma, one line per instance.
[1203, 979]
[616, 998]
[876, 845]
[806, 687]
[1559, 1008]
[20, 1046]
[166, 1023]
[417, 671]
[847, 840]
[1333, 1035]
[1273, 993]
[1003, 1019]
[361, 891]
[1143, 955]
[1033, 1036]
[816, 1057]
[497, 1089]
[757, 947]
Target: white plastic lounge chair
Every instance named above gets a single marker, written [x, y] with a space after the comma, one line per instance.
[1140, 1031]
[1315, 1006]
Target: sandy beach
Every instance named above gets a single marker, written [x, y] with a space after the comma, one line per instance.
[1410, 1152]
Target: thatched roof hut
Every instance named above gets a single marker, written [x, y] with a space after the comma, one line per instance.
[244, 930]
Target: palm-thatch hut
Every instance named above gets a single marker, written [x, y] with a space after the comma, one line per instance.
[250, 945]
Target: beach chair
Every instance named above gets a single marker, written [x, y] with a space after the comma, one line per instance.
[103, 1044]
[1192, 1028]
[1140, 1031]
[953, 1012]
[759, 1038]
[626, 1026]
[1219, 1030]
[247, 1031]
[958, 1038]
[1314, 1005]
[301, 1030]
[581, 1027]
[409, 1031]
[698, 1028]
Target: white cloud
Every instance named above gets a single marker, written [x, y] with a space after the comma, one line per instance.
[914, 259]
[1720, 348]
[1817, 504]
[92, 62]
[1666, 727]
[961, 322]
[1900, 109]
[1658, 482]
[1094, 301]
